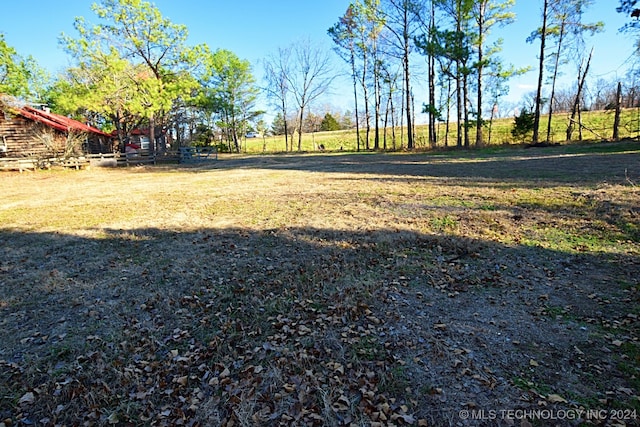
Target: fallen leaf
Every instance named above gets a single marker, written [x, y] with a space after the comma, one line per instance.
[409, 419]
[28, 397]
[626, 390]
[556, 398]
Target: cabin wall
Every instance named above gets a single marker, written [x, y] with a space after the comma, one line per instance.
[18, 136]
[21, 137]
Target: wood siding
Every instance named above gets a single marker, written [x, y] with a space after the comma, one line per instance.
[19, 138]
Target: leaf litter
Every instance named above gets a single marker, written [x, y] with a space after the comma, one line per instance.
[321, 305]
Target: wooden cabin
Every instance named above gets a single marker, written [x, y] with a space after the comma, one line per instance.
[30, 132]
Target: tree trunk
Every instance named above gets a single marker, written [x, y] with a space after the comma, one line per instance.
[393, 121]
[554, 78]
[459, 93]
[576, 103]
[152, 135]
[378, 100]
[355, 98]
[465, 87]
[493, 116]
[458, 105]
[284, 117]
[402, 104]
[121, 131]
[579, 122]
[407, 78]
[480, 59]
[367, 114]
[410, 143]
[543, 37]
[386, 120]
[178, 134]
[431, 61]
[448, 124]
[616, 120]
[300, 129]
[377, 96]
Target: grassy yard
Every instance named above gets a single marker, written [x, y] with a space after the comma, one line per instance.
[325, 289]
[598, 126]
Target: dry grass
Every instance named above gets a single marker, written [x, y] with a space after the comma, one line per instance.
[598, 126]
[322, 290]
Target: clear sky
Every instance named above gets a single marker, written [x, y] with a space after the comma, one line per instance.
[254, 29]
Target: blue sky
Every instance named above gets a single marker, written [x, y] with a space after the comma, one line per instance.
[254, 29]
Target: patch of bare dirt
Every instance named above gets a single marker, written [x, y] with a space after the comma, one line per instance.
[495, 289]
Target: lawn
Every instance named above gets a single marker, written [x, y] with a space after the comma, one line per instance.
[325, 289]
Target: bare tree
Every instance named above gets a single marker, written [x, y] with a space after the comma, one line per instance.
[276, 70]
[401, 19]
[538, 103]
[487, 13]
[344, 34]
[563, 99]
[582, 75]
[569, 29]
[561, 22]
[604, 94]
[309, 77]
[616, 121]
[454, 44]
[358, 34]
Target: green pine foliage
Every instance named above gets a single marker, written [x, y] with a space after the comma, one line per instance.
[329, 123]
[523, 124]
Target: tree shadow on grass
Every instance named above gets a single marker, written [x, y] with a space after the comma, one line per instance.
[217, 324]
[539, 168]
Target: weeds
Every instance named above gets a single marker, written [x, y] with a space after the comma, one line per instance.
[292, 290]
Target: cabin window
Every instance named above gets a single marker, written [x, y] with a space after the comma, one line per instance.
[8, 116]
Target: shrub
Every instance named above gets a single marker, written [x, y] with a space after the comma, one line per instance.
[523, 124]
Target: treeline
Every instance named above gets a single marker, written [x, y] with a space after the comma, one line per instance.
[451, 44]
[134, 69]
[313, 122]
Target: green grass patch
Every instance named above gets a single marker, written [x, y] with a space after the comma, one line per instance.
[293, 286]
[443, 223]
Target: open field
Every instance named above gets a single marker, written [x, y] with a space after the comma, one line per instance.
[599, 126]
[328, 290]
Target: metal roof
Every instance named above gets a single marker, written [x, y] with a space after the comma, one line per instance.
[58, 122]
